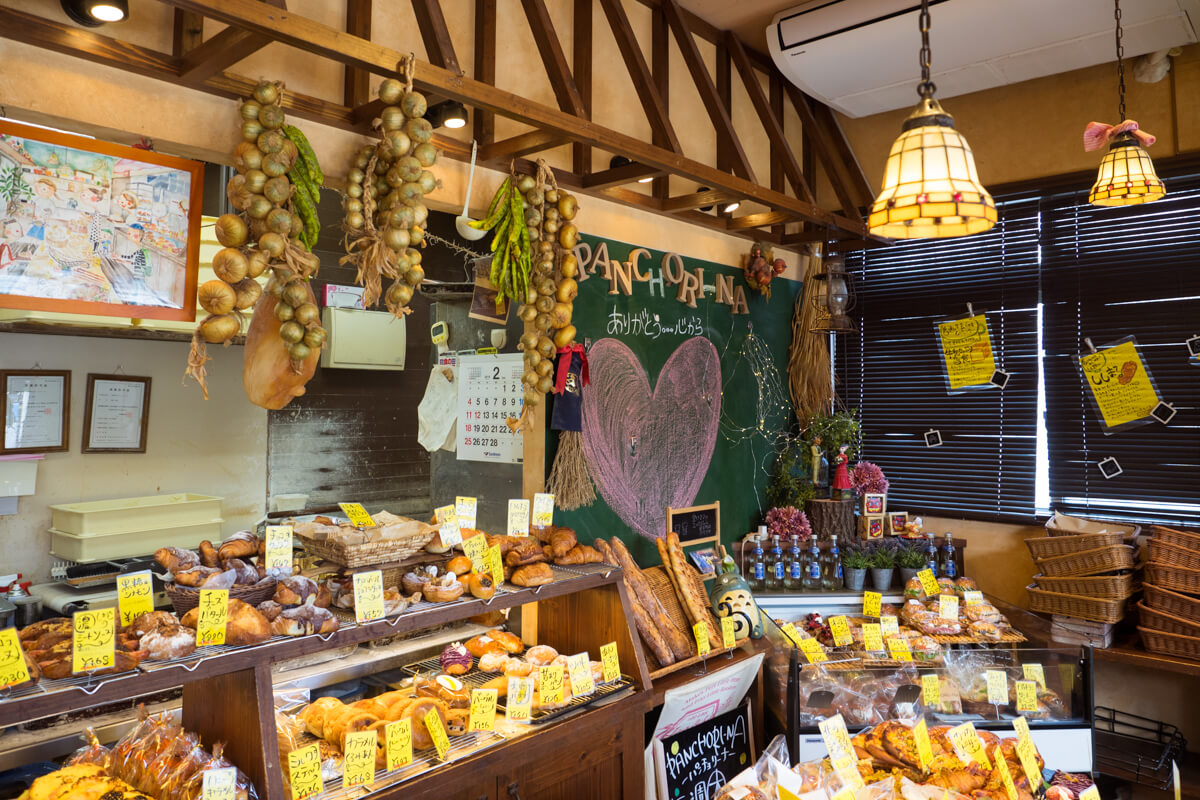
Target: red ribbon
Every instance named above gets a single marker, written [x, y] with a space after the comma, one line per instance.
[1097, 135]
[564, 367]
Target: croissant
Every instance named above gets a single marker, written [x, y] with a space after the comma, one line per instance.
[174, 559]
[528, 552]
[220, 580]
[208, 554]
[580, 554]
[242, 544]
[561, 541]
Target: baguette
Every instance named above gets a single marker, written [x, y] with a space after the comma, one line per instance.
[695, 603]
[677, 639]
[654, 640]
[665, 557]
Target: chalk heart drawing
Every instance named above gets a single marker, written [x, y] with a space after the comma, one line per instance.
[651, 449]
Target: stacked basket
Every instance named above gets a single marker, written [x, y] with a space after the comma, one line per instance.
[1169, 614]
[1086, 569]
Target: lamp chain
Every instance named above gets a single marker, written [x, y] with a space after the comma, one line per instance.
[1120, 61]
[926, 87]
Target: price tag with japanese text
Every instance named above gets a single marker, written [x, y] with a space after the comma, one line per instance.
[304, 771]
[611, 662]
[368, 596]
[899, 649]
[357, 515]
[518, 517]
[841, 631]
[997, 687]
[579, 673]
[135, 595]
[948, 607]
[871, 603]
[466, 509]
[437, 732]
[518, 705]
[398, 743]
[836, 737]
[12, 659]
[872, 637]
[1034, 672]
[550, 685]
[846, 768]
[812, 650]
[212, 613]
[1090, 793]
[789, 630]
[543, 510]
[279, 547]
[889, 625]
[924, 750]
[928, 582]
[483, 709]
[496, 565]
[476, 548]
[93, 644]
[449, 531]
[931, 690]
[700, 632]
[1021, 726]
[728, 635]
[219, 784]
[1027, 696]
[1027, 752]
[358, 758]
[1006, 777]
[973, 597]
[967, 745]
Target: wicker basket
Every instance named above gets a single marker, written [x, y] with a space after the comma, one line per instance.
[1179, 605]
[1075, 605]
[1103, 587]
[1088, 562]
[1066, 525]
[1171, 644]
[1051, 546]
[185, 598]
[1187, 539]
[365, 554]
[1172, 555]
[1179, 579]
[1159, 621]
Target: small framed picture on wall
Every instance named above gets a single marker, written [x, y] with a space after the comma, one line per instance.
[37, 410]
[116, 414]
[897, 522]
[874, 504]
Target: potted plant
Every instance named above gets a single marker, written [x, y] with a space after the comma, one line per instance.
[855, 562]
[790, 483]
[883, 562]
[910, 558]
[833, 440]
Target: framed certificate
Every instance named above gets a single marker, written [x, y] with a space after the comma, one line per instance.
[37, 410]
[116, 414]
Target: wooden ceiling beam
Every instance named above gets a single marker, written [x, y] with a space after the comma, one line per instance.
[759, 220]
[432, 24]
[618, 176]
[357, 82]
[643, 81]
[522, 144]
[707, 197]
[581, 54]
[555, 61]
[221, 51]
[856, 179]
[187, 31]
[485, 66]
[707, 89]
[660, 70]
[822, 144]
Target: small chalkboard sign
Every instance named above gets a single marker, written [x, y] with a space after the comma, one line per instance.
[695, 763]
[696, 524]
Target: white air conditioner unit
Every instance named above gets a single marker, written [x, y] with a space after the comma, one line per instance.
[361, 339]
[860, 56]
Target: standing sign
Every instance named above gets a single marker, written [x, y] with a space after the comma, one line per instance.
[490, 393]
[1120, 387]
[966, 350]
[698, 761]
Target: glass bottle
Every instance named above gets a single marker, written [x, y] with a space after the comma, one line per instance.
[793, 579]
[931, 555]
[949, 565]
[775, 567]
[757, 572]
[831, 578]
[812, 575]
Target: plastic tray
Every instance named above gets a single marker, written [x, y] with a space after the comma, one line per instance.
[88, 548]
[127, 514]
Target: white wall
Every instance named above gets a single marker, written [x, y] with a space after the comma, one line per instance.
[218, 447]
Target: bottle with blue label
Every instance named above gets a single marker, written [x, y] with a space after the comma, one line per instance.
[931, 555]
[757, 571]
[793, 579]
[949, 565]
[812, 577]
[775, 567]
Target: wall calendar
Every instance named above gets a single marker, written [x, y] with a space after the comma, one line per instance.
[489, 394]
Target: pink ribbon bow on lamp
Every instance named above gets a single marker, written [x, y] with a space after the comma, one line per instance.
[1097, 135]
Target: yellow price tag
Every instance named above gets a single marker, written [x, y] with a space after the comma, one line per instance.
[398, 743]
[948, 607]
[518, 705]
[543, 510]
[1027, 696]
[278, 554]
[1119, 384]
[449, 530]
[700, 631]
[304, 771]
[1006, 777]
[437, 732]
[1091, 793]
[973, 597]
[211, 616]
[94, 638]
[550, 684]
[966, 351]
[135, 595]
[789, 630]
[812, 650]
[611, 662]
[784, 794]
[872, 637]
[841, 631]
[483, 709]
[967, 745]
[728, 638]
[358, 758]
[845, 793]
[219, 784]
[997, 687]
[368, 596]
[928, 582]
[579, 673]
[443, 513]
[872, 601]
[1022, 729]
[850, 776]
[357, 515]
[1027, 753]
[836, 737]
[1176, 781]
[899, 649]
[476, 548]
[889, 625]
[924, 750]
[12, 659]
[466, 508]
[1034, 672]
[518, 517]
[931, 691]
[496, 565]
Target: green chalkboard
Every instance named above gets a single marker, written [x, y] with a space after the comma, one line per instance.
[652, 323]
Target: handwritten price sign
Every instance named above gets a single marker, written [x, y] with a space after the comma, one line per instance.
[543, 510]
[212, 615]
[368, 596]
[279, 547]
[93, 643]
[1119, 383]
[483, 709]
[518, 517]
[304, 771]
[967, 351]
[358, 767]
[465, 508]
[12, 659]
[135, 595]
[398, 743]
[519, 704]
[550, 685]
[611, 662]
[219, 784]
[357, 515]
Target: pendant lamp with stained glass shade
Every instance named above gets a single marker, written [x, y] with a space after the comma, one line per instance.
[1126, 176]
[930, 187]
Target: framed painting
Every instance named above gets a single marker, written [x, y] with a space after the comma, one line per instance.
[92, 227]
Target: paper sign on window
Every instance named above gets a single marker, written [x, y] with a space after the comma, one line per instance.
[966, 349]
[1121, 389]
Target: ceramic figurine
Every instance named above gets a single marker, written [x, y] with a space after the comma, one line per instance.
[731, 597]
[841, 476]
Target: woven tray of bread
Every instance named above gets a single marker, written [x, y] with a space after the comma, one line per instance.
[1009, 637]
